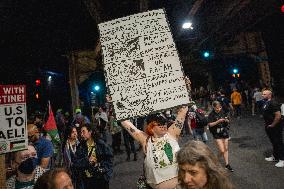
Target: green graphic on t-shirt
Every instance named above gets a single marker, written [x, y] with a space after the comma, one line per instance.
[162, 164]
[169, 151]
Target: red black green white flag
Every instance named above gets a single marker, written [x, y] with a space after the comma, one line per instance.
[50, 127]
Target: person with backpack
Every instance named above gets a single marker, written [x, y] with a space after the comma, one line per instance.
[197, 123]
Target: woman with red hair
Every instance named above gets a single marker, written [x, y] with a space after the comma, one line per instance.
[160, 144]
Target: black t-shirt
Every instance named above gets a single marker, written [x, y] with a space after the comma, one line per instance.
[214, 116]
[269, 109]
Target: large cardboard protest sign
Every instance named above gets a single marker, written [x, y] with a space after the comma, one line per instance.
[141, 63]
[13, 118]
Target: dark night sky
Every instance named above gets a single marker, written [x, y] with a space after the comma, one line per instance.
[37, 34]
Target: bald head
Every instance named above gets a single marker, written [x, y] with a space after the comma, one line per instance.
[33, 132]
[31, 127]
[267, 94]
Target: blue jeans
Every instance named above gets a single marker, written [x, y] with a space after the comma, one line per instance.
[199, 134]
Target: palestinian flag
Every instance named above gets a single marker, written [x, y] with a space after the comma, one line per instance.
[50, 127]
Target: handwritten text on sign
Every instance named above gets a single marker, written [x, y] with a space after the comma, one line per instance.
[13, 135]
[142, 66]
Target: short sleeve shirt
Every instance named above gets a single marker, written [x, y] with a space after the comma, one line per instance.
[214, 116]
[44, 149]
[269, 109]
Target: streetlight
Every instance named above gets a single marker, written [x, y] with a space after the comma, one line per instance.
[187, 25]
[97, 88]
[206, 54]
[49, 78]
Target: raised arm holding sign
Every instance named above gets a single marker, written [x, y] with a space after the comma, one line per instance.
[141, 64]
[159, 143]
[144, 76]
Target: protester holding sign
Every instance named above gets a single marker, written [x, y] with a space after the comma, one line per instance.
[145, 76]
[159, 144]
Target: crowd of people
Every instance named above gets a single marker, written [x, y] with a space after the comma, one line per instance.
[84, 158]
[235, 97]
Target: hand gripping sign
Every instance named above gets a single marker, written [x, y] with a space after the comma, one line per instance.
[141, 64]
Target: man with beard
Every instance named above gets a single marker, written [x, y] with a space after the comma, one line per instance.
[273, 127]
[43, 147]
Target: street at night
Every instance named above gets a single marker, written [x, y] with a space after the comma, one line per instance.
[146, 94]
[247, 149]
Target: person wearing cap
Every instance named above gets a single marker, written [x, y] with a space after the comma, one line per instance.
[160, 145]
[79, 119]
[27, 172]
[68, 118]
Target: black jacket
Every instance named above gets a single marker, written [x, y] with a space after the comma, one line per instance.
[104, 158]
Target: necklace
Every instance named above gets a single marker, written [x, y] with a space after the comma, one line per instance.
[72, 147]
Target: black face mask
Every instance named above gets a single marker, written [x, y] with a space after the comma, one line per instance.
[27, 166]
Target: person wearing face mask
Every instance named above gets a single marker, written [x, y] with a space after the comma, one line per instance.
[199, 168]
[27, 172]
